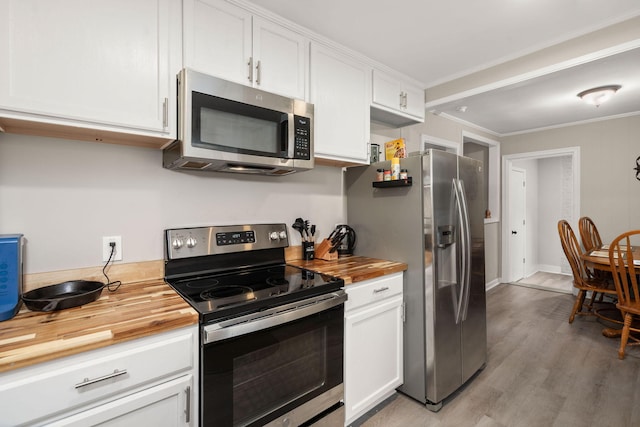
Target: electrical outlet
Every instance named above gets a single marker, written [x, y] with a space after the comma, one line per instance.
[106, 248]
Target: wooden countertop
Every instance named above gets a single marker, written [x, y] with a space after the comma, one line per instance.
[135, 310]
[352, 269]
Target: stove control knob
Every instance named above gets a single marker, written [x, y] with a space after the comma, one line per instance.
[177, 243]
[283, 235]
[191, 242]
[273, 235]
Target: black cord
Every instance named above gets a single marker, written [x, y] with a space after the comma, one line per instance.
[117, 282]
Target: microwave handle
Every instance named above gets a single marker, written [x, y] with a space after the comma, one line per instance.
[287, 143]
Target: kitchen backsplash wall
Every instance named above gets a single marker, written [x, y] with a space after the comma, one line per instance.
[64, 196]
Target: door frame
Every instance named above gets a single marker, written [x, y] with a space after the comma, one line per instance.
[507, 164]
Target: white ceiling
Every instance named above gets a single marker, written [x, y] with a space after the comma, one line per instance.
[436, 41]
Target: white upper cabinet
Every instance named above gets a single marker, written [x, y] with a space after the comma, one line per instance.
[280, 59]
[340, 91]
[227, 41]
[107, 65]
[396, 101]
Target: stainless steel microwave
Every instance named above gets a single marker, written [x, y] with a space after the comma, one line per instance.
[228, 127]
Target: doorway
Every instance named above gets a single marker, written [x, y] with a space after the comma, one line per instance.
[552, 192]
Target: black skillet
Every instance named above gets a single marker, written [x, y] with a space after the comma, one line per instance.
[63, 295]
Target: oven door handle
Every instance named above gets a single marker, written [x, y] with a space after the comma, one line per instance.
[271, 317]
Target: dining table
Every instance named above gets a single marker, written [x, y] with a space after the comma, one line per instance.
[598, 259]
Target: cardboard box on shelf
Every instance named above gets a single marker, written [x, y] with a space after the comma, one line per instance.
[395, 148]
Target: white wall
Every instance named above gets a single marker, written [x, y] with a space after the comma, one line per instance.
[551, 210]
[65, 195]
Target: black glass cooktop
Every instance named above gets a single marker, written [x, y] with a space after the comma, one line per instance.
[246, 290]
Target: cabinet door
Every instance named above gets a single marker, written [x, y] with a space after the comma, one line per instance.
[280, 58]
[169, 404]
[396, 97]
[387, 91]
[340, 91]
[96, 62]
[373, 355]
[414, 101]
[217, 39]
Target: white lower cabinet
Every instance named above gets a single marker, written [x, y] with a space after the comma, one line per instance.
[163, 405]
[373, 343]
[148, 381]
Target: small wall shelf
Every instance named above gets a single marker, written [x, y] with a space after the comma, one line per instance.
[396, 183]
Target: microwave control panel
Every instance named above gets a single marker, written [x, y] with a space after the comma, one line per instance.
[302, 138]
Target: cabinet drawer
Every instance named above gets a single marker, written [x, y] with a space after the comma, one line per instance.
[64, 385]
[373, 290]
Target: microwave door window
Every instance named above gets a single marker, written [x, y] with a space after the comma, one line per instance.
[240, 128]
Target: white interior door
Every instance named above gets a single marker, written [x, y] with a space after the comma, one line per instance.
[517, 238]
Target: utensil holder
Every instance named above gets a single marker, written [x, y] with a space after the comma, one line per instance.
[308, 250]
[323, 251]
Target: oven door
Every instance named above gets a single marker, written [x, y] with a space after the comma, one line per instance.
[282, 365]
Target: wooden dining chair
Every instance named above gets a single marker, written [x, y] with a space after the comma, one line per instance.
[582, 279]
[591, 241]
[625, 277]
[589, 234]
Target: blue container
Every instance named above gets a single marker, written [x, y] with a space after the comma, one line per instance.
[10, 274]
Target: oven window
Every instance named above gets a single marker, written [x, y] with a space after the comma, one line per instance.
[252, 379]
[300, 360]
[236, 127]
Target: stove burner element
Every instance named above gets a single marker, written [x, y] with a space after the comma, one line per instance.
[227, 292]
[202, 283]
[277, 281]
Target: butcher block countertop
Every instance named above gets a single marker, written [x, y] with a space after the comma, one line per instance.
[143, 307]
[135, 310]
[352, 269]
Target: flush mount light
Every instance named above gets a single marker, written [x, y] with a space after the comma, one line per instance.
[598, 95]
[461, 108]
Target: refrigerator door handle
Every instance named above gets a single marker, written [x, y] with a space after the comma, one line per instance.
[466, 249]
[458, 203]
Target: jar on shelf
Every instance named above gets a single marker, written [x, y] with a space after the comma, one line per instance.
[395, 168]
[387, 175]
[379, 174]
[404, 174]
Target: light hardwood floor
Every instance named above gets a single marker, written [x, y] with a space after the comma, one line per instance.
[548, 281]
[541, 371]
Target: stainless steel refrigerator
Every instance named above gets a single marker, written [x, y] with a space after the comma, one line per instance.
[436, 226]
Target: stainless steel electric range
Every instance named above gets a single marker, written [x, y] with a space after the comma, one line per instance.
[271, 334]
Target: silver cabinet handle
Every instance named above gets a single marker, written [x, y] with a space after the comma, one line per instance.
[401, 99]
[377, 291]
[187, 410]
[165, 113]
[87, 381]
[258, 73]
[405, 100]
[250, 64]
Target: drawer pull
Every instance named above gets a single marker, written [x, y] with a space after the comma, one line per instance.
[187, 410]
[87, 381]
[377, 291]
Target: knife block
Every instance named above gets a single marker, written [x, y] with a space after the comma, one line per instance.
[322, 251]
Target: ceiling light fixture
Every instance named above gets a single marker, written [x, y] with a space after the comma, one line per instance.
[461, 108]
[598, 95]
